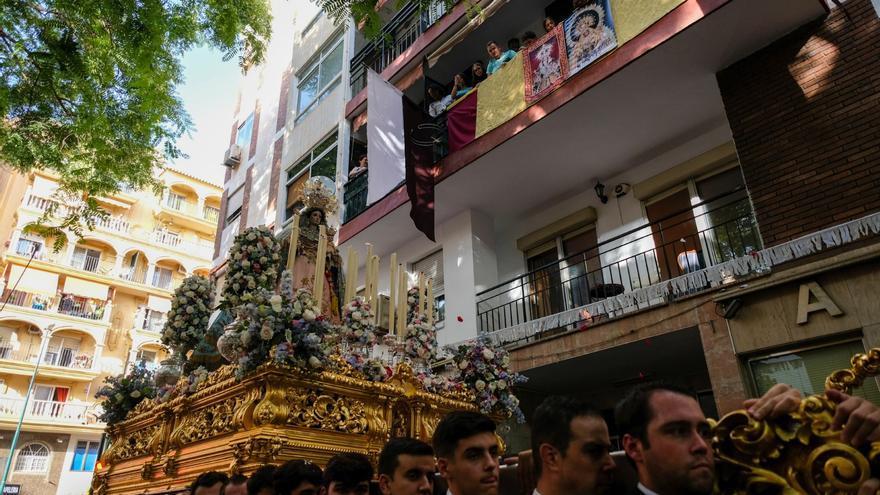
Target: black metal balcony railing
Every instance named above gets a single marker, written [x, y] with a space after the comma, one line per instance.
[710, 233]
[355, 196]
[395, 38]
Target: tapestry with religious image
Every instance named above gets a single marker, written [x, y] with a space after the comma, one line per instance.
[589, 34]
[545, 65]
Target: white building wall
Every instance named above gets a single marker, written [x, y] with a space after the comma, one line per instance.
[75, 482]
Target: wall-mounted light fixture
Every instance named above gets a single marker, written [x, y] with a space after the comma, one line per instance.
[600, 192]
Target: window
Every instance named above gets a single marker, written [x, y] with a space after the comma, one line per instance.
[233, 204]
[243, 136]
[312, 23]
[86, 259]
[320, 76]
[162, 278]
[61, 351]
[319, 162]
[147, 359]
[706, 221]
[175, 201]
[432, 267]
[806, 369]
[564, 272]
[32, 458]
[85, 456]
[27, 246]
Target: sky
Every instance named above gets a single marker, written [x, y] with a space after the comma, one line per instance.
[208, 94]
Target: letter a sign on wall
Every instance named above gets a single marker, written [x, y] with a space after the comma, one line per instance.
[813, 298]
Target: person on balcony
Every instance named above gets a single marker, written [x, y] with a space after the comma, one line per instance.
[360, 168]
[478, 73]
[528, 38]
[438, 101]
[459, 87]
[549, 24]
[498, 58]
[514, 44]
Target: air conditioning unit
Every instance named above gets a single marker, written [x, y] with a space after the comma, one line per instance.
[233, 156]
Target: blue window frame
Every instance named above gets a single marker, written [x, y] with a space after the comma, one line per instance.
[85, 456]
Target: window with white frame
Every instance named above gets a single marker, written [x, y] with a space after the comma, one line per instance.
[28, 245]
[162, 278]
[243, 136]
[234, 203]
[432, 267]
[32, 458]
[320, 76]
[320, 161]
[84, 456]
[86, 259]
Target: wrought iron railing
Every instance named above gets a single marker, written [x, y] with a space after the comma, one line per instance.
[709, 233]
[395, 38]
[355, 196]
[67, 305]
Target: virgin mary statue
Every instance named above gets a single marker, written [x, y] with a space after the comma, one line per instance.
[319, 202]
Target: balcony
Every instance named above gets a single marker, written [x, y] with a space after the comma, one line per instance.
[654, 92]
[88, 309]
[183, 210]
[44, 410]
[395, 38]
[114, 224]
[713, 232]
[355, 196]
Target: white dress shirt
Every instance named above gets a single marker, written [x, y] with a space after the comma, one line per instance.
[647, 491]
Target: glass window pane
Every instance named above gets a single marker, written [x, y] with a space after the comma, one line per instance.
[807, 370]
[78, 456]
[327, 143]
[331, 66]
[307, 91]
[326, 166]
[243, 136]
[91, 457]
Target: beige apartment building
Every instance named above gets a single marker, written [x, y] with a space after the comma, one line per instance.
[100, 301]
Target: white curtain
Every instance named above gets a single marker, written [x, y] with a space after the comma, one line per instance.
[385, 138]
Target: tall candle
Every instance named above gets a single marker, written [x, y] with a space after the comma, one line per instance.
[351, 275]
[320, 260]
[430, 298]
[368, 274]
[392, 296]
[421, 299]
[374, 296]
[401, 302]
[294, 239]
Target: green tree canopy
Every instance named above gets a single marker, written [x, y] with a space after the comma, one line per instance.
[87, 87]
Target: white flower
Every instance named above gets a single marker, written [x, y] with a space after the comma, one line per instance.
[480, 385]
[492, 386]
[463, 365]
[309, 315]
[501, 384]
[314, 362]
[245, 338]
[356, 316]
[488, 354]
[275, 301]
[135, 394]
[505, 360]
[266, 332]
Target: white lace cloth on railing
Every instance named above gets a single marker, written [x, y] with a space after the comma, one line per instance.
[757, 262]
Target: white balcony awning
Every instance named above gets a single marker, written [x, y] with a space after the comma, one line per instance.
[85, 288]
[159, 304]
[34, 281]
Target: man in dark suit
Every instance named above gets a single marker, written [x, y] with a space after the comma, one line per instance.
[571, 449]
[666, 435]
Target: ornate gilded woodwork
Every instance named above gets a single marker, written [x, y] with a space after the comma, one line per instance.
[798, 452]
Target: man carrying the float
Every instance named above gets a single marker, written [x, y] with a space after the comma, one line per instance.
[467, 453]
[406, 467]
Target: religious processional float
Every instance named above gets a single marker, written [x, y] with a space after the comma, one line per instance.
[292, 365]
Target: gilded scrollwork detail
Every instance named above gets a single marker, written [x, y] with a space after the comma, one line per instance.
[311, 408]
[205, 423]
[138, 442]
[273, 409]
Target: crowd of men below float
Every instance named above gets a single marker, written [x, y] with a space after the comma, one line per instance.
[665, 438]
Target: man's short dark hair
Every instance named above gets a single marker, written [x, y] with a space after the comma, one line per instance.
[263, 477]
[529, 35]
[633, 412]
[396, 447]
[291, 474]
[513, 44]
[551, 423]
[457, 426]
[348, 469]
[207, 480]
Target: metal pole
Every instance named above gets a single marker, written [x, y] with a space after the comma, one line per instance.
[45, 342]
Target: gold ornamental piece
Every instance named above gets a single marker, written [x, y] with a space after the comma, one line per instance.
[275, 414]
[797, 452]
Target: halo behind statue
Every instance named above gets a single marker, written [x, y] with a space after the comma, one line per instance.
[317, 194]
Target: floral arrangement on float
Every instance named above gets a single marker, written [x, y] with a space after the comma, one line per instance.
[187, 321]
[120, 394]
[420, 344]
[486, 371]
[253, 264]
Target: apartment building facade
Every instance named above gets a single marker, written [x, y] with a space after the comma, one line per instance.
[698, 203]
[91, 309]
[287, 123]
